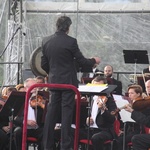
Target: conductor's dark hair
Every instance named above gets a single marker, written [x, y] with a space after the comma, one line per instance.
[63, 23]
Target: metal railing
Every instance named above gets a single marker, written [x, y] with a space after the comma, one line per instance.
[64, 86]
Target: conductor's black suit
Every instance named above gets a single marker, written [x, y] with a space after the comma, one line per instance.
[59, 51]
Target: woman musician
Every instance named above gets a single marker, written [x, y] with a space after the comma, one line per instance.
[141, 141]
[134, 92]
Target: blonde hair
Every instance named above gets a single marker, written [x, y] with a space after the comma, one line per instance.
[19, 86]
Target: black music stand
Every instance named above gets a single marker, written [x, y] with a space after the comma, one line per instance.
[15, 101]
[12, 107]
[136, 57]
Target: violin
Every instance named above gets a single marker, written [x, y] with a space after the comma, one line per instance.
[103, 100]
[116, 111]
[141, 103]
[37, 101]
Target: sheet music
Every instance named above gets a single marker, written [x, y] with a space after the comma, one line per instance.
[120, 102]
[92, 88]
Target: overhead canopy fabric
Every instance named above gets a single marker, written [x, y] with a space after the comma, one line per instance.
[87, 5]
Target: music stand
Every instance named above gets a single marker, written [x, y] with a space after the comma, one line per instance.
[11, 108]
[136, 57]
[15, 101]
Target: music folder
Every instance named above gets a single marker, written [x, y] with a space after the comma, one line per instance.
[15, 101]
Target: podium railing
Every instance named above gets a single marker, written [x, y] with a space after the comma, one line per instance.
[57, 86]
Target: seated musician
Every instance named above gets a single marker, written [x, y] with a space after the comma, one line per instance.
[141, 114]
[34, 125]
[5, 133]
[108, 73]
[4, 122]
[146, 70]
[134, 92]
[7, 91]
[100, 121]
[20, 87]
[40, 80]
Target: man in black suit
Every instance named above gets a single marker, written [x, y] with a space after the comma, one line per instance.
[59, 51]
[108, 72]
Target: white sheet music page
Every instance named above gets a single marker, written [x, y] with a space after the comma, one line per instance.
[91, 88]
[120, 102]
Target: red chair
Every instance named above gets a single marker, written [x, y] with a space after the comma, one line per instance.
[129, 146]
[111, 142]
[147, 131]
[31, 141]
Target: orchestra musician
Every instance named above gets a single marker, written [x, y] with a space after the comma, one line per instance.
[20, 87]
[34, 124]
[146, 70]
[108, 73]
[59, 51]
[4, 121]
[100, 121]
[5, 94]
[134, 92]
[141, 141]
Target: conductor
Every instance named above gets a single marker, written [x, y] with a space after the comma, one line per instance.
[59, 51]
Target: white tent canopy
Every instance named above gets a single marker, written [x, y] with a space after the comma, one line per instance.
[87, 6]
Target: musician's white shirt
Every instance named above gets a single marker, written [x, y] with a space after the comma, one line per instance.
[94, 112]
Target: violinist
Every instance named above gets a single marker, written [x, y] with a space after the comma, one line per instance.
[40, 80]
[4, 122]
[100, 121]
[141, 141]
[20, 87]
[34, 126]
[147, 85]
[134, 92]
[5, 95]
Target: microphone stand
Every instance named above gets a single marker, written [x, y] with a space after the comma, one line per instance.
[11, 118]
[10, 41]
